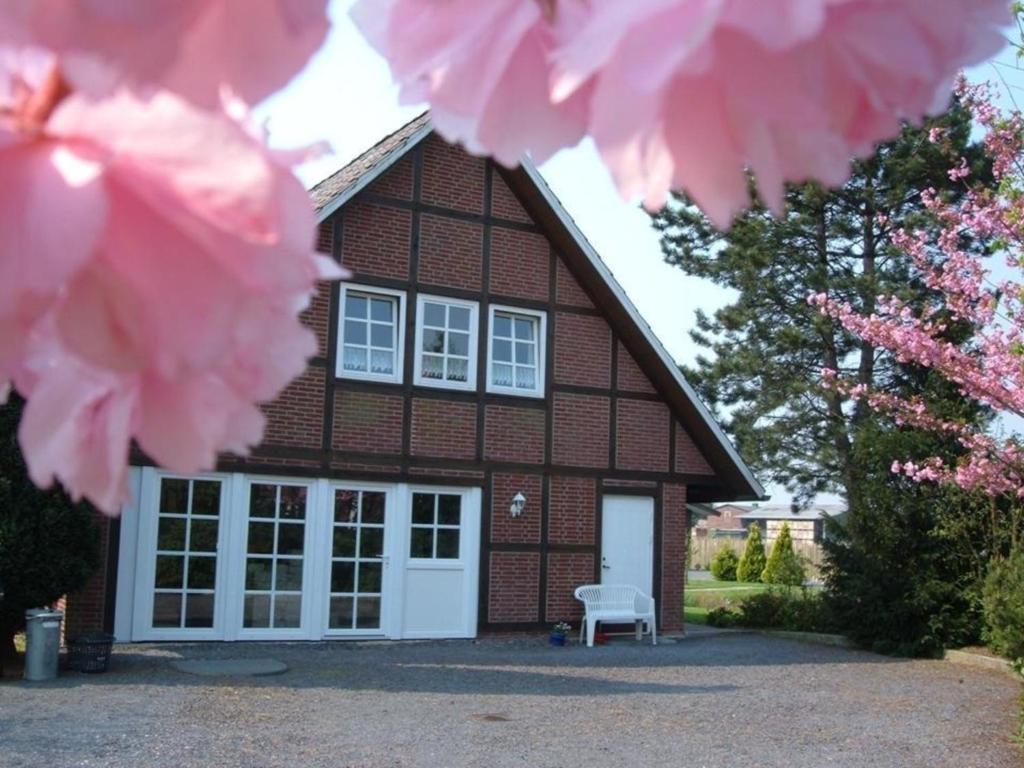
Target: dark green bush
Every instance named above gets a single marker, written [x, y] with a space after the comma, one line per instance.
[784, 565]
[794, 610]
[1003, 602]
[722, 617]
[723, 567]
[753, 561]
[902, 567]
[49, 545]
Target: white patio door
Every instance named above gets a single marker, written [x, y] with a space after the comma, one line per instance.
[360, 544]
[627, 541]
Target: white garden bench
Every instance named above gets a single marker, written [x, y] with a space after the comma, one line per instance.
[615, 603]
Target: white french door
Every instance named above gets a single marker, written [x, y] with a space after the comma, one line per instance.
[243, 557]
[357, 592]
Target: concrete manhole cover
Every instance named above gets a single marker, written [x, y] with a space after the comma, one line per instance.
[230, 667]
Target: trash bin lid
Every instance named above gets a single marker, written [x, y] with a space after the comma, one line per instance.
[36, 614]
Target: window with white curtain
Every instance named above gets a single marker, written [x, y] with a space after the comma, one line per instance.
[446, 340]
[371, 333]
[515, 351]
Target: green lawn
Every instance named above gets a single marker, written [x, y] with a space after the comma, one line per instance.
[694, 614]
[702, 596]
[715, 586]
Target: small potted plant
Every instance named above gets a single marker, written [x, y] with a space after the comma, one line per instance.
[559, 632]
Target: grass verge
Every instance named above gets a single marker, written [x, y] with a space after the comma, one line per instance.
[695, 614]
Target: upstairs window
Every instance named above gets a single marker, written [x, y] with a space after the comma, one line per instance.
[515, 352]
[446, 340]
[371, 333]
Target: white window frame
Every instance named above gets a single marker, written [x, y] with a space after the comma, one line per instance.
[144, 571]
[411, 588]
[400, 299]
[310, 559]
[542, 321]
[474, 330]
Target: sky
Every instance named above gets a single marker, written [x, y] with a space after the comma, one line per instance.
[345, 96]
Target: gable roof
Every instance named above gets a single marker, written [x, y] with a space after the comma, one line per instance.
[733, 479]
[786, 512]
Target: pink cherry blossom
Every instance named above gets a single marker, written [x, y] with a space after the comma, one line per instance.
[485, 68]
[196, 48]
[987, 367]
[154, 259]
[684, 94]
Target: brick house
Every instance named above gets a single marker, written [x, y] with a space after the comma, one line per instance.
[488, 424]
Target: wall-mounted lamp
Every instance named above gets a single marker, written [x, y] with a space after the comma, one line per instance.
[518, 502]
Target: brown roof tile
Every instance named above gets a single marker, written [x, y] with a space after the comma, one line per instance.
[336, 184]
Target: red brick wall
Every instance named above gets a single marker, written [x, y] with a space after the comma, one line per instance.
[524, 529]
[376, 240]
[504, 204]
[85, 610]
[451, 252]
[317, 316]
[631, 378]
[514, 585]
[296, 417]
[397, 182]
[520, 264]
[325, 237]
[673, 555]
[443, 428]
[568, 290]
[642, 435]
[689, 459]
[452, 178]
[580, 430]
[367, 422]
[566, 571]
[572, 510]
[514, 434]
[583, 350]
[433, 473]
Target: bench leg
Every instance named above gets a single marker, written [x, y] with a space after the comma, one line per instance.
[639, 629]
[654, 631]
[591, 626]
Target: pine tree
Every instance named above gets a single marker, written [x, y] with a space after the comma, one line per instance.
[784, 566]
[753, 561]
[768, 347]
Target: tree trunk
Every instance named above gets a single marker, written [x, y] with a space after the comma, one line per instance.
[866, 366]
[830, 359]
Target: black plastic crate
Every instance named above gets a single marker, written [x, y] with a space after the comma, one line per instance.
[90, 653]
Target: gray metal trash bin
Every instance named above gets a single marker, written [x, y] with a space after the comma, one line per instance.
[42, 643]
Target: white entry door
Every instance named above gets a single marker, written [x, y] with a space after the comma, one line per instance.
[627, 541]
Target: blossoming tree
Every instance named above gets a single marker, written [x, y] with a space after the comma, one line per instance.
[155, 253]
[988, 365]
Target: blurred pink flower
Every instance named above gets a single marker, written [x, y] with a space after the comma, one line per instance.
[196, 48]
[684, 94]
[153, 263]
[484, 67]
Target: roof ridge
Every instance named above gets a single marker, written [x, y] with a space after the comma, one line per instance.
[334, 184]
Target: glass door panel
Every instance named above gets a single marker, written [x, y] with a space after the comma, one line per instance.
[357, 560]
[274, 556]
[188, 521]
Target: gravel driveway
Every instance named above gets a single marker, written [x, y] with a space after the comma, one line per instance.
[725, 700]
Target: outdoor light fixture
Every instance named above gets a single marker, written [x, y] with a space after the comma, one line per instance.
[518, 502]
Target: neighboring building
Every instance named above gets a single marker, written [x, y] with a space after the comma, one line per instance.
[806, 526]
[488, 424]
[722, 521]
